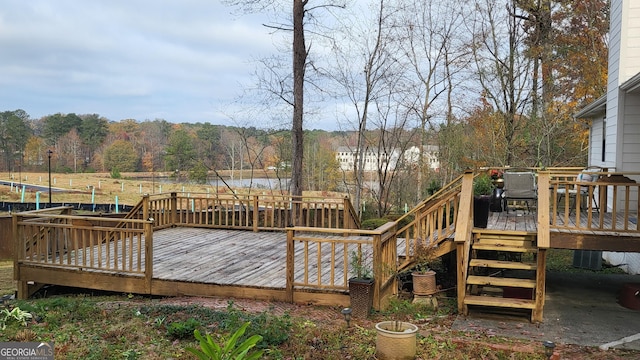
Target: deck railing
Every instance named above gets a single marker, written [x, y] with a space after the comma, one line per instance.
[608, 205]
[83, 243]
[431, 223]
[246, 212]
[327, 257]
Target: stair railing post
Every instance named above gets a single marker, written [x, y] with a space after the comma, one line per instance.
[145, 207]
[543, 209]
[464, 228]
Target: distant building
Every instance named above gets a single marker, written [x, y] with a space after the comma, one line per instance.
[431, 156]
[347, 156]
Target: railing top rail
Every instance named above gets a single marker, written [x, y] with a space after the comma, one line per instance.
[378, 231]
[47, 210]
[190, 195]
[87, 218]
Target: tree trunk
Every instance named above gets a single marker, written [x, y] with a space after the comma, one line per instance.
[299, 61]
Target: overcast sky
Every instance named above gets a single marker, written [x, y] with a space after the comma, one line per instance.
[182, 60]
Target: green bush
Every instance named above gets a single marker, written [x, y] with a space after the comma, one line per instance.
[482, 185]
[115, 174]
[182, 329]
[372, 224]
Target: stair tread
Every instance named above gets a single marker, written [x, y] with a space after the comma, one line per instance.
[499, 302]
[500, 242]
[479, 246]
[501, 264]
[496, 232]
[500, 281]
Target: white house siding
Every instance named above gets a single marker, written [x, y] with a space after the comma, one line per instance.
[613, 83]
[629, 262]
[631, 133]
[623, 109]
[595, 150]
[630, 40]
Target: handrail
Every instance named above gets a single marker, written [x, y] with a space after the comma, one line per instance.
[326, 258]
[433, 224]
[70, 241]
[247, 212]
[604, 206]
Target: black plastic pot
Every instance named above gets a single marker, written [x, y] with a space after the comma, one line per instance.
[481, 206]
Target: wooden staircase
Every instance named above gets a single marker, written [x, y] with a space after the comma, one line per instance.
[505, 273]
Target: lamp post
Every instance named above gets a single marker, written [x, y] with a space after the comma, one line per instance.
[49, 152]
[346, 312]
[549, 347]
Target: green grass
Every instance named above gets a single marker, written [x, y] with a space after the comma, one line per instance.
[7, 285]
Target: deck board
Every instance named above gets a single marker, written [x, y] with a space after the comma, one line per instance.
[523, 221]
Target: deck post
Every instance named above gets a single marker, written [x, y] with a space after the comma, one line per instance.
[543, 210]
[537, 313]
[463, 236]
[347, 221]
[377, 270]
[255, 213]
[174, 208]
[290, 266]
[145, 207]
[148, 255]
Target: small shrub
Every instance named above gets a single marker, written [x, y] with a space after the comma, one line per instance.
[209, 350]
[182, 329]
[372, 224]
[15, 314]
[115, 173]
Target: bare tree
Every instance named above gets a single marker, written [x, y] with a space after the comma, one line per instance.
[504, 73]
[430, 36]
[301, 12]
[365, 66]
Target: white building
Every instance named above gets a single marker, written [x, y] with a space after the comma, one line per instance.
[347, 156]
[431, 156]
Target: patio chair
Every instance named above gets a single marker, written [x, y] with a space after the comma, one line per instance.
[586, 175]
[519, 186]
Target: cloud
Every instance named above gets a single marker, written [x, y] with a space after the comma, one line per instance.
[177, 60]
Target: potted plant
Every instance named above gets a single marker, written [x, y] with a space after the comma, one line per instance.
[497, 179]
[360, 286]
[482, 190]
[395, 340]
[424, 278]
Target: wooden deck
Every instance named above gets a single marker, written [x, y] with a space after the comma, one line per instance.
[254, 259]
[180, 245]
[577, 224]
